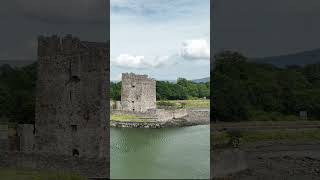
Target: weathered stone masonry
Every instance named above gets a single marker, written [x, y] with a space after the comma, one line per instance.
[138, 93]
[4, 141]
[71, 104]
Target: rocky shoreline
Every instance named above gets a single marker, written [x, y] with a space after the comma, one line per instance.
[283, 160]
[121, 124]
[193, 118]
[155, 125]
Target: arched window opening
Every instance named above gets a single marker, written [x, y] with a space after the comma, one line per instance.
[75, 152]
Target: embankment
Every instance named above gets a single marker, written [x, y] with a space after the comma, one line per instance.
[191, 118]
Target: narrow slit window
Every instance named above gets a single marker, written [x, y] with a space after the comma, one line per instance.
[74, 128]
[75, 152]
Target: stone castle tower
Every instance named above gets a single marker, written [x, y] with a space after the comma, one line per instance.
[71, 103]
[138, 93]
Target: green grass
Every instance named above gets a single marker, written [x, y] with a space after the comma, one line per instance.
[273, 135]
[127, 118]
[201, 103]
[256, 115]
[10, 174]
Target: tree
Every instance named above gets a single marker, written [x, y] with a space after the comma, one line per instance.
[115, 91]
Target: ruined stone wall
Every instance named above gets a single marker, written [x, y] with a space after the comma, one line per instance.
[25, 134]
[198, 115]
[138, 92]
[160, 115]
[112, 105]
[4, 141]
[115, 105]
[167, 115]
[118, 105]
[71, 103]
[150, 113]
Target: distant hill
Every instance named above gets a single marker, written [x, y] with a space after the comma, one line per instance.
[300, 59]
[16, 63]
[202, 80]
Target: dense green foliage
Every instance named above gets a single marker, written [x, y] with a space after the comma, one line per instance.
[115, 91]
[17, 93]
[182, 90]
[244, 90]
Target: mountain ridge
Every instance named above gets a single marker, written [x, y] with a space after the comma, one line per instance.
[17, 63]
[300, 58]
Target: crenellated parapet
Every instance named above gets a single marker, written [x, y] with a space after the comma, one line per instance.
[131, 77]
[54, 45]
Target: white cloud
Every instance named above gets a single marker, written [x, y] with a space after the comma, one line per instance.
[197, 49]
[151, 32]
[127, 60]
[139, 62]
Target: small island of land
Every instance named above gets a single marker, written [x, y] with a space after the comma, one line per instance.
[142, 103]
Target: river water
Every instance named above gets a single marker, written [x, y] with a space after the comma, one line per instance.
[176, 153]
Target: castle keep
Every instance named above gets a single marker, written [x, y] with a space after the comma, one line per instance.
[138, 93]
[138, 99]
[71, 103]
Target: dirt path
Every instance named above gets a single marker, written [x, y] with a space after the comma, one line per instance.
[265, 125]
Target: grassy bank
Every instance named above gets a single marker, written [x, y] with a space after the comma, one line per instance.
[10, 174]
[128, 118]
[248, 137]
[201, 103]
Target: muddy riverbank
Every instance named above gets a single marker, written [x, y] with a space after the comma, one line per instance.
[281, 160]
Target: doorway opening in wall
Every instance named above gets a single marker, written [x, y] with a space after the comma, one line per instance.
[75, 152]
[74, 128]
[75, 79]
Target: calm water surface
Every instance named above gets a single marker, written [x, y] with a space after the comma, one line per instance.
[177, 153]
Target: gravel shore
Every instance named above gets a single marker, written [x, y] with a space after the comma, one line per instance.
[280, 161]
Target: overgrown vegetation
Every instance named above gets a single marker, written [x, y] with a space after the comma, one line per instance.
[128, 118]
[247, 137]
[166, 103]
[244, 90]
[17, 93]
[181, 90]
[115, 91]
[200, 103]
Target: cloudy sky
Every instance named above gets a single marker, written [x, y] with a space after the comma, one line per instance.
[22, 21]
[266, 27]
[165, 39]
